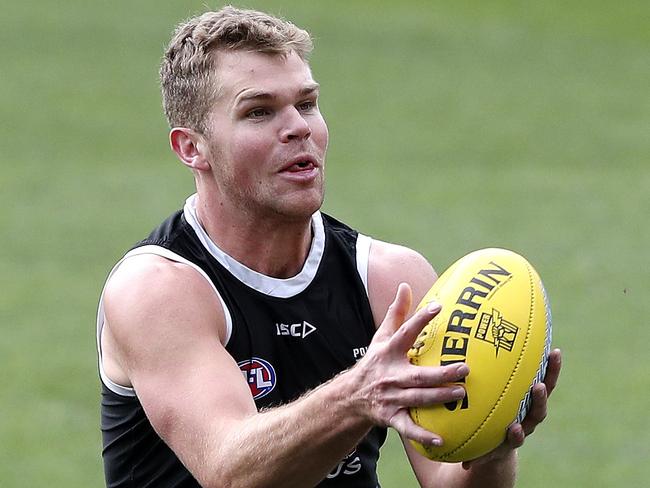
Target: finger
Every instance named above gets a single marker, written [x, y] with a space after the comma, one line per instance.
[553, 370]
[434, 376]
[403, 423]
[406, 335]
[424, 397]
[397, 311]
[515, 436]
[538, 409]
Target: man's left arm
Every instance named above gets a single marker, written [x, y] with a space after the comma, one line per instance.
[389, 265]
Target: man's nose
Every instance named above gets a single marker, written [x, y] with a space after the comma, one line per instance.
[295, 126]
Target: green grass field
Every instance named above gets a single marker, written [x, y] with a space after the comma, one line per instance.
[454, 126]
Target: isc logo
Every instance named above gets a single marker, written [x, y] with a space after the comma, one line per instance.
[300, 330]
[259, 375]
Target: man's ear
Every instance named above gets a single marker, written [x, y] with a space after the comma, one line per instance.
[190, 148]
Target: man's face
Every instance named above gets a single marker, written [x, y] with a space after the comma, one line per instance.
[266, 135]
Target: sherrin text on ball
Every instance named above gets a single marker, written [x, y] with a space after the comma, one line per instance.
[495, 318]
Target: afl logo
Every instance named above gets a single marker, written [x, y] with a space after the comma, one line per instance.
[259, 375]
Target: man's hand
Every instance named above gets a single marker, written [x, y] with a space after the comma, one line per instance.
[517, 433]
[390, 384]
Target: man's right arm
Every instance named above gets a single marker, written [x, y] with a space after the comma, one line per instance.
[166, 325]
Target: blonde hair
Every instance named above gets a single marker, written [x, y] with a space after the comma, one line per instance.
[189, 70]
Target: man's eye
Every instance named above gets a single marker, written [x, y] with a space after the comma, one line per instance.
[306, 106]
[257, 113]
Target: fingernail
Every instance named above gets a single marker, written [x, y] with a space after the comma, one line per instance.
[433, 307]
[436, 442]
[458, 391]
[462, 370]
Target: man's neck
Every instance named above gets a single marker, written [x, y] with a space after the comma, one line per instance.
[272, 245]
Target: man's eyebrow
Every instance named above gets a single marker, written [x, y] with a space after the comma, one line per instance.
[246, 96]
[310, 88]
[253, 95]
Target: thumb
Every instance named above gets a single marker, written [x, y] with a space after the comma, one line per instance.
[397, 311]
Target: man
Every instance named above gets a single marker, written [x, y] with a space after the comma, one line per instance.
[251, 340]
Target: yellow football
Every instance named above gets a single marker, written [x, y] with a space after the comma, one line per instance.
[496, 318]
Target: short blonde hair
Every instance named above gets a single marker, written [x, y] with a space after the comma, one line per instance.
[189, 71]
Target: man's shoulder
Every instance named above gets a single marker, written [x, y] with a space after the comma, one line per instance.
[148, 290]
[391, 264]
[391, 254]
[397, 263]
[148, 276]
[387, 262]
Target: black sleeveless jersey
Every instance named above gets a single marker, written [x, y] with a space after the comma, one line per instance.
[287, 336]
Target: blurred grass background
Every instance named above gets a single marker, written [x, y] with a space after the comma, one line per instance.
[454, 126]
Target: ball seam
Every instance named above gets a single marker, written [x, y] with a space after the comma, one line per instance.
[509, 382]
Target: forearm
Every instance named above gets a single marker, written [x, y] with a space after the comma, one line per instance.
[499, 473]
[225, 442]
[295, 445]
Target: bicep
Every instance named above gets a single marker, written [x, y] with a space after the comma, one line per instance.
[169, 344]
